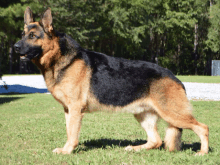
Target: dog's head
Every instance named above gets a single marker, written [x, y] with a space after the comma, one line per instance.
[36, 35]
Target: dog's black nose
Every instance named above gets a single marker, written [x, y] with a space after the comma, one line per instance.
[17, 48]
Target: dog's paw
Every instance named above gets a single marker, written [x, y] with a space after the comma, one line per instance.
[57, 150]
[135, 148]
[60, 151]
[200, 153]
[129, 148]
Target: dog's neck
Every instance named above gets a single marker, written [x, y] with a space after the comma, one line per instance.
[61, 53]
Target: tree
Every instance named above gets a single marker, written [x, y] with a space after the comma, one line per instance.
[11, 25]
[213, 41]
[180, 35]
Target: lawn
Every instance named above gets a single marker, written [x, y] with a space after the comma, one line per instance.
[32, 125]
[200, 79]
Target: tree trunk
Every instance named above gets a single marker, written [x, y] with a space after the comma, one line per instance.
[195, 48]
[1, 55]
[10, 57]
[211, 3]
[151, 45]
[157, 48]
[178, 58]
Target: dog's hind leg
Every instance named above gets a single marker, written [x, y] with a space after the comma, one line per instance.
[173, 138]
[185, 121]
[148, 120]
[171, 104]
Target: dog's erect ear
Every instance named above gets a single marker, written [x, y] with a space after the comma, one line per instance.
[46, 21]
[28, 16]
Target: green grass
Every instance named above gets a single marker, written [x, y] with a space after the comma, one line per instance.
[8, 75]
[200, 79]
[32, 125]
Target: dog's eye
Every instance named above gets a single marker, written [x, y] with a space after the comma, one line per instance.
[31, 35]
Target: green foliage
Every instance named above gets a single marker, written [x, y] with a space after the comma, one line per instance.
[213, 41]
[135, 29]
[11, 26]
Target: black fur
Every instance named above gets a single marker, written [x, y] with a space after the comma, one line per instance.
[118, 81]
[28, 50]
[38, 28]
[31, 26]
[33, 52]
[67, 45]
[69, 49]
[114, 81]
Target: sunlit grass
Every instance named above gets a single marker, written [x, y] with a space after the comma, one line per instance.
[200, 79]
[32, 125]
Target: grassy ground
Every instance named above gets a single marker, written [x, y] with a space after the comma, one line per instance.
[32, 125]
[8, 75]
[200, 79]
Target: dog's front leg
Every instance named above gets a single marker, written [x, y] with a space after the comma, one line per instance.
[73, 117]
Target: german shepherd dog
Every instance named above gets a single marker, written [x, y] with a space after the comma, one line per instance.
[86, 81]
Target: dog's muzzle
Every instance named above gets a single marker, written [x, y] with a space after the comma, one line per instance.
[17, 47]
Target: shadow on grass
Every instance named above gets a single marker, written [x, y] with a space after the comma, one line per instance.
[105, 143]
[194, 146]
[4, 100]
[21, 89]
[17, 89]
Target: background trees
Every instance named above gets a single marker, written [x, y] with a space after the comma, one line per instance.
[183, 35]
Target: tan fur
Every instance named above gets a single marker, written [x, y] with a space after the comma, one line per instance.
[71, 92]
[148, 121]
[170, 102]
[173, 138]
[136, 107]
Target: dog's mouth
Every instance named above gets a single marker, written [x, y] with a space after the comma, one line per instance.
[28, 57]
[23, 57]
[27, 51]
[32, 53]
